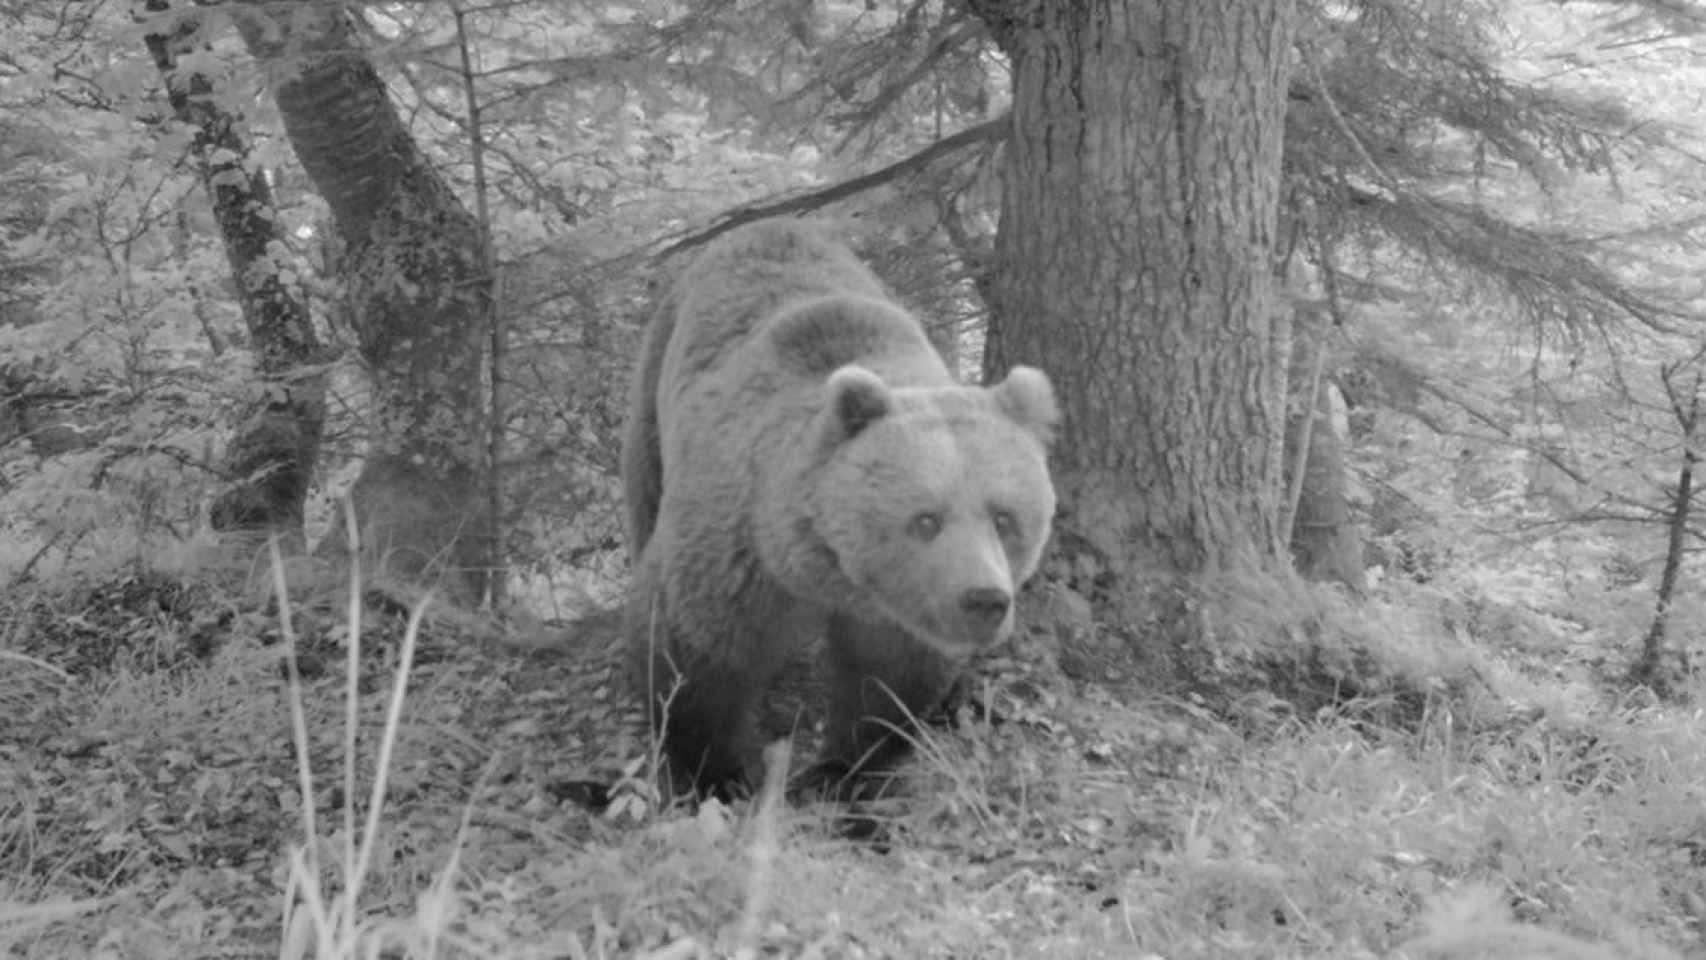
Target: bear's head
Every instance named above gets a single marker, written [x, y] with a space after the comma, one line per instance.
[935, 501]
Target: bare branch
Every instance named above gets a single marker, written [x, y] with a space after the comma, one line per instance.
[987, 132]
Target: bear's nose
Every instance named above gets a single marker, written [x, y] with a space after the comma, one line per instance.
[985, 606]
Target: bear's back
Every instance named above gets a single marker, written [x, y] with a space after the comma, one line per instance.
[811, 339]
[750, 274]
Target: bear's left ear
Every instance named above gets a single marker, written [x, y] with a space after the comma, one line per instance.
[857, 397]
[1028, 397]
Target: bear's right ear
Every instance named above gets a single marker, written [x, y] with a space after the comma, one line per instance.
[857, 397]
[1028, 397]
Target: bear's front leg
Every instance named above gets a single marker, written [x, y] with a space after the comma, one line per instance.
[699, 719]
[702, 658]
[882, 679]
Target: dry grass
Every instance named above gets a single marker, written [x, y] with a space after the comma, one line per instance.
[1092, 822]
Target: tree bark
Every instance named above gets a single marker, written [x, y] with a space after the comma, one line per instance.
[1137, 232]
[270, 461]
[414, 293]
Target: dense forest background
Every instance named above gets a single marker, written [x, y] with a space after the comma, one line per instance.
[1376, 583]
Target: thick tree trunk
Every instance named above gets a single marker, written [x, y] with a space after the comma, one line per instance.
[270, 461]
[414, 293]
[1137, 230]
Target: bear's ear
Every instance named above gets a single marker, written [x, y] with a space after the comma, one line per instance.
[1028, 397]
[857, 397]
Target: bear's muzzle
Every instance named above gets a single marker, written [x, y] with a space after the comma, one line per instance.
[985, 609]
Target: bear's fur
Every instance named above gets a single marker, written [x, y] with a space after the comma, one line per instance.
[799, 463]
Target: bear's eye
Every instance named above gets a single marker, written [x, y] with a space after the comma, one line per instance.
[1006, 524]
[924, 526]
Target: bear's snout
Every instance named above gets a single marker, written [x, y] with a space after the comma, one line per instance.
[985, 609]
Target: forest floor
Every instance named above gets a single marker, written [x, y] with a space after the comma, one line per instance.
[151, 804]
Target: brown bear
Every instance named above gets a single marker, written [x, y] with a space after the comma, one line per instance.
[800, 464]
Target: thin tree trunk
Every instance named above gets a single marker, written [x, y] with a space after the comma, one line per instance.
[415, 293]
[270, 461]
[490, 322]
[1650, 668]
[1325, 542]
[1137, 231]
